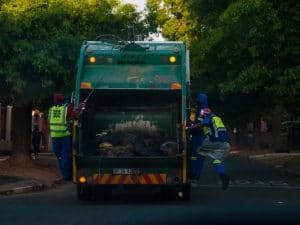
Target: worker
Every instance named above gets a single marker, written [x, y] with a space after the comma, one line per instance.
[59, 120]
[215, 144]
[197, 137]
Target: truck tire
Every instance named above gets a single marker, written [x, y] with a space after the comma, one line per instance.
[83, 192]
[167, 193]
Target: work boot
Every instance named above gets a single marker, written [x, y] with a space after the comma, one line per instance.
[225, 180]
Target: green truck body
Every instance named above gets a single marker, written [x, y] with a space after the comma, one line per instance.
[132, 130]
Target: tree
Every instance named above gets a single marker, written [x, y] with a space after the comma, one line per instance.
[244, 54]
[39, 49]
[173, 16]
[243, 51]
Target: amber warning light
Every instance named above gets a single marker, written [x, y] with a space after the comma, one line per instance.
[172, 59]
[82, 179]
[86, 85]
[176, 86]
[92, 59]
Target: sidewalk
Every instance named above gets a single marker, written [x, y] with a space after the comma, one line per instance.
[43, 175]
[287, 162]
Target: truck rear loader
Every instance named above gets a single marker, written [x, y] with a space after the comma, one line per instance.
[131, 131]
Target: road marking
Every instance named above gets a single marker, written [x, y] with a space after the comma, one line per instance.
[252, 183]
[278, 183]
[245, 186]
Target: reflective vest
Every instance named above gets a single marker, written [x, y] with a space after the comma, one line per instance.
[58, 121]
[218, 132]
[218, 126]
[206, 130]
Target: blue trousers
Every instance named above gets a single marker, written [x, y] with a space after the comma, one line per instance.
[62, 148]
[197, 160]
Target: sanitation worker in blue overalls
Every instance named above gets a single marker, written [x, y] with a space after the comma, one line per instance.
[197, 137]
[209, 138]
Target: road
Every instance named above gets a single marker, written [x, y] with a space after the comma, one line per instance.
[257, 195]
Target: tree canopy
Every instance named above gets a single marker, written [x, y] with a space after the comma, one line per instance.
[245, 53]
[39, 44]
[42, 39]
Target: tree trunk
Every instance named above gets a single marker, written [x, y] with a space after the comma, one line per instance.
[277, 144]
[243, 135]
[21, 134]
[256, 134]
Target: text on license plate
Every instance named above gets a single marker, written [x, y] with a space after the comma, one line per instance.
[125, 171]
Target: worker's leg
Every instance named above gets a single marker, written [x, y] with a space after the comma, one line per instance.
[196, 160]
[221, 151]
[219, 166]
[57, 149]
[66, 165]
[217, 151]
[36, 150]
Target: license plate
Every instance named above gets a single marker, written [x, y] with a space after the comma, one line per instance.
[124, 171]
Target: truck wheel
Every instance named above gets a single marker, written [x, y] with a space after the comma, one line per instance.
[83, 192]
[104, 193]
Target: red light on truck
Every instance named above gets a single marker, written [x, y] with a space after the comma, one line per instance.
[164, 59]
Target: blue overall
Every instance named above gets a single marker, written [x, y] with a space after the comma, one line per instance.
[62, 148]
[216, 144]
[197, 160]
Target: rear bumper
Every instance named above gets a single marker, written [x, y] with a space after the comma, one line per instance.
[136, 171]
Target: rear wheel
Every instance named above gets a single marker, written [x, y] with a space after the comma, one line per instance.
[83, 192]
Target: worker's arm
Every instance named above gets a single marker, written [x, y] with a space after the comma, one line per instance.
[195, 126]
[72, 113]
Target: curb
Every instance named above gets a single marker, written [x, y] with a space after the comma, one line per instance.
[272, 155]
[26, 187]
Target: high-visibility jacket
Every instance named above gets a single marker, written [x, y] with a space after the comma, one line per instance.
[58, 121]
[217, 130]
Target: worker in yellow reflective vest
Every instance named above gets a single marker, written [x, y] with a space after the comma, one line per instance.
[59, 120]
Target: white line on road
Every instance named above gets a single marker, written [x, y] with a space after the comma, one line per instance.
[246, 186]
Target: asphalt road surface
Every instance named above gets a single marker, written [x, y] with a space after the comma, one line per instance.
[257, 195]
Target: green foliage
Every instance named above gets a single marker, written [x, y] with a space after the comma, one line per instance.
[244, 54]
[172, 16]
[41, 41]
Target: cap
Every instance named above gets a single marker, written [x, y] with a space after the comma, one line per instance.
[205, 111]
[58, 97]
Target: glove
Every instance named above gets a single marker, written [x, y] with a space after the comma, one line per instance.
[81, 107]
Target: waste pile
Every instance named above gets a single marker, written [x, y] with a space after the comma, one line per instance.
[134, 144]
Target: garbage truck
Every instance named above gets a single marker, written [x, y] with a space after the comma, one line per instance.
[133, 99]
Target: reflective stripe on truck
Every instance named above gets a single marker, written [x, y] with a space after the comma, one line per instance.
[143, 179]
